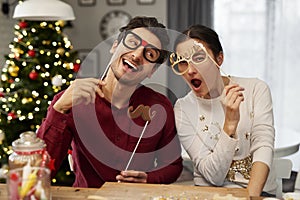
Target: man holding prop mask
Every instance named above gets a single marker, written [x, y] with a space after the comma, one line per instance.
[119, 129]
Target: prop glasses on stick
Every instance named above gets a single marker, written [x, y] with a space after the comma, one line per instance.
[198, 54]
[151, 53]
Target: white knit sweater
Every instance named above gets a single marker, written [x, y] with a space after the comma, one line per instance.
[200, 122]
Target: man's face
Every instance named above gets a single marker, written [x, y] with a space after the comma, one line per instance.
[130, 62]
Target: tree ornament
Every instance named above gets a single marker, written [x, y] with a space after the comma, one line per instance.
[76, 67]
[23, 24]
[46, 42]
[12, 115]
[17, 57]
[57, 80]
[67, 65]
[24, 100]
[18, 50]
[60, 51]
[13, 70]
[60, 23]
[31, 53]
[1, 95]
[33, 75]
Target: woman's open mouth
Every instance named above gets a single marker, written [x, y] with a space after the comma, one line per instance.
[196, 83]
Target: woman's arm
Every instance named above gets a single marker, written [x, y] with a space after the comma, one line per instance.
[259, 174]
[262, 137]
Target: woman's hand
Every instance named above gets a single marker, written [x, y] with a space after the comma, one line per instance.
[81, 90]
[132, 176]
[232, 98]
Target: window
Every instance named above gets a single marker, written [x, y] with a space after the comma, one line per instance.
[261, 38]
[242, 31]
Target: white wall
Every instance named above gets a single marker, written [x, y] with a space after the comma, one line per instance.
[6, 36]
[85, 33]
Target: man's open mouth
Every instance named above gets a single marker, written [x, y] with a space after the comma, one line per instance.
[196, 83]
[130, 66]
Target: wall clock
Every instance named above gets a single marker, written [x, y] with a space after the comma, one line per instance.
[112, 21]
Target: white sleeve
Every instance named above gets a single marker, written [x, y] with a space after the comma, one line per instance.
[263, 133]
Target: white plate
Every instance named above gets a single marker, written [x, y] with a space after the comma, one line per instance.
[291, 196]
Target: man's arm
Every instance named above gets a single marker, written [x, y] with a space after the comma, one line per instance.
[54, 132]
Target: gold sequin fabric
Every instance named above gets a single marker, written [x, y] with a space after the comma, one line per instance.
[242, 166]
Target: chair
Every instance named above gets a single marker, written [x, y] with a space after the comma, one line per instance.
[297, 182]
[283, 169]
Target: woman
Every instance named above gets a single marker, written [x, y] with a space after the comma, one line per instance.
[225, 123]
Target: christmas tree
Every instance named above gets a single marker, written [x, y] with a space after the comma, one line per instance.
[41, 63]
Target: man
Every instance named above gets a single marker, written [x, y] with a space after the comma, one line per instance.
[119, 129]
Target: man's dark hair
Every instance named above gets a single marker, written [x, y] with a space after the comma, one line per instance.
[151, 24]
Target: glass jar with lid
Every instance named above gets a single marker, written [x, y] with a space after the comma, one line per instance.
[28, 149]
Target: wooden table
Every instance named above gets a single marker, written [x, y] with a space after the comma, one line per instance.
[132, 191]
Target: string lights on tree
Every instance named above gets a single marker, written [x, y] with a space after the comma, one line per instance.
[40, 64]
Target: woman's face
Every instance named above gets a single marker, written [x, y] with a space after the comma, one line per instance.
[202, 73]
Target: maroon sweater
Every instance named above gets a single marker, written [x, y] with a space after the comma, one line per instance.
[103, 137]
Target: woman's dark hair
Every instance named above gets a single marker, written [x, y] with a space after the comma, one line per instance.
[203, 33]
[151, 24]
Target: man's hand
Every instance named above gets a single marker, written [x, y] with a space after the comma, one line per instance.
[81, 90]
[132, 176]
